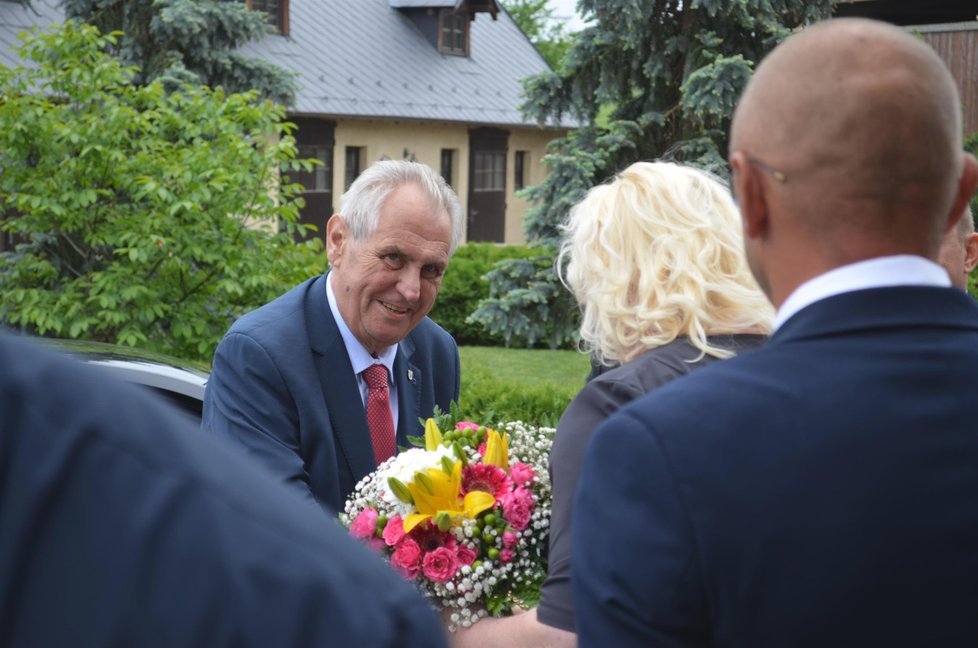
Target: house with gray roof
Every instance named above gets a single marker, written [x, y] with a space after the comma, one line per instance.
[438, 81]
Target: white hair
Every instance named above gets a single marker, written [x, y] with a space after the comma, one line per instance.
[361, 204]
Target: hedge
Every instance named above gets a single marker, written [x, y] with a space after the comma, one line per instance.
[485, 398]
[463, 287]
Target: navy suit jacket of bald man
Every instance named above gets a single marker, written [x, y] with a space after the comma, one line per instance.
[819, 491]
[282, 386]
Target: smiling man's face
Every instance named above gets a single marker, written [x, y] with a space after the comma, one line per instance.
[386, 284]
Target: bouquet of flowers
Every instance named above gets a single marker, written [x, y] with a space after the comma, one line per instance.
[466, 516]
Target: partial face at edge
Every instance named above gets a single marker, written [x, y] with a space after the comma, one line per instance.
[958, 253]
[386, 284]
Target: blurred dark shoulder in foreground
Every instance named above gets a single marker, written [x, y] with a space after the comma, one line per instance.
[121, 524]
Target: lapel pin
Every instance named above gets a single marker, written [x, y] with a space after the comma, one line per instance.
[411, 375]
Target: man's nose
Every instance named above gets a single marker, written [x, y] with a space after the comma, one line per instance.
[409, 284]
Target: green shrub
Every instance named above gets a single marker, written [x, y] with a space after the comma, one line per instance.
[464, 286]
[487, 399]
[530, 385]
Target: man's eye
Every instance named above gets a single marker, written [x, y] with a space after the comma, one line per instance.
[431, 271]
[393, 258]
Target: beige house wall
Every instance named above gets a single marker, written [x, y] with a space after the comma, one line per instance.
[424, 141]
[534, 142]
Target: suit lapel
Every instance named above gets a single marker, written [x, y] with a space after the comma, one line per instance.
[407, 378]
[339, 386]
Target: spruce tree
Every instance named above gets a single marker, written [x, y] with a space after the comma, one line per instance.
[189, 41]
[649, 79]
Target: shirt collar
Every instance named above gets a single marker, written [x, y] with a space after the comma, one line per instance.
[900, 270]
[360, 358]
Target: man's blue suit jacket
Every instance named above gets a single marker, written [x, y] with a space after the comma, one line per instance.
[283, 387]
[820, 491]
[122, 525]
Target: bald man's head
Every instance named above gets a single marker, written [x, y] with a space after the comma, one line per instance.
[864, 121]
[846, 146]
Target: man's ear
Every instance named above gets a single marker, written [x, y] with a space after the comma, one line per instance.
[967, 184]
[749, 192]
[336, 237]
[970, 250]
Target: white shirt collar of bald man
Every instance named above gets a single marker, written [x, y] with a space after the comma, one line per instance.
[899, 270]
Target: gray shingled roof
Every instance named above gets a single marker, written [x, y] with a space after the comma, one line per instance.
[423, 3]
[15, 18]
[363, 58]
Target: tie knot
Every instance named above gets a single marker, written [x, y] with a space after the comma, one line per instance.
[376, 376]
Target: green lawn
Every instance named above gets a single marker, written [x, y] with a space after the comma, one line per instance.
[532, 385]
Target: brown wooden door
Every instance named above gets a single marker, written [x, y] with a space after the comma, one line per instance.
[315, 139]
[487, 184]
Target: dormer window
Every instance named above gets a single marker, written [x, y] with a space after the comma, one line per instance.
[445, 23]
[453, 32]
[277, 12]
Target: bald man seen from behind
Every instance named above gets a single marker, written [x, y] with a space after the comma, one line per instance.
[822, 490]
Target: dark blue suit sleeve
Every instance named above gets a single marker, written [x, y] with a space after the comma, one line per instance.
[636, 580]
[248, 402]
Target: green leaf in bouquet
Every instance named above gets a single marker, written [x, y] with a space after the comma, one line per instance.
[498, 606]
[400, 491]
[416, 441]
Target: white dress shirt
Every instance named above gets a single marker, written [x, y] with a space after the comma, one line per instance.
[900, 270]
[360, 358]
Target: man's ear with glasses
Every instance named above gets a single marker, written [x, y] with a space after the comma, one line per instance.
[748, 191]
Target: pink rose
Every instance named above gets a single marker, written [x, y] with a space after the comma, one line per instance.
[406, 559]
[466, 425]
[365, 524]
[440, 565]
[466, 554]
[394, 531]
[376, 545]
[521, 474]
[509, 539]
[517, 508]
[505, 556]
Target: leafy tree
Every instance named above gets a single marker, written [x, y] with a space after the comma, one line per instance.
[188, 41]
[142, 216]
[547, 32]
[649, 79]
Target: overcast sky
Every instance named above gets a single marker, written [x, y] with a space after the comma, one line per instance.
[567, 9]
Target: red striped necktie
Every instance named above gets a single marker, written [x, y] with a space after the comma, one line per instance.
[379, 412]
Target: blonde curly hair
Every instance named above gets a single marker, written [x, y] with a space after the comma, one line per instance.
[657, 253]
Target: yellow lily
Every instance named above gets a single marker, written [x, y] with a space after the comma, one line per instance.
[436, 494]
[497, 450]
[432, 435]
